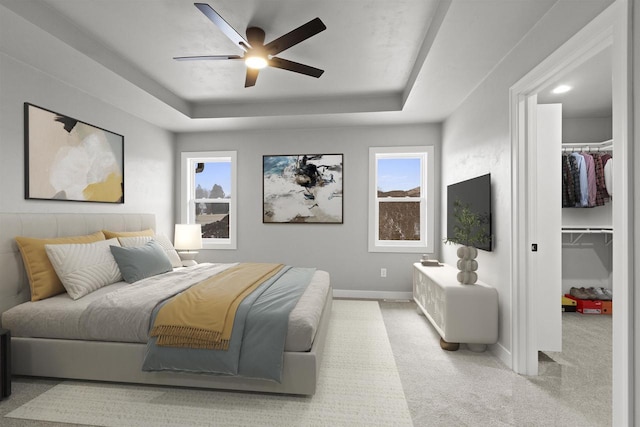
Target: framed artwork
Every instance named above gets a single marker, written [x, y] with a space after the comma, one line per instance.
[302, 188]
[67, 159]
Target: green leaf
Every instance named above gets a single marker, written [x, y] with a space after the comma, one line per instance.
[471, 228]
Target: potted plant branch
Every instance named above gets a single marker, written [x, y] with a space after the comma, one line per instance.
[470, 230]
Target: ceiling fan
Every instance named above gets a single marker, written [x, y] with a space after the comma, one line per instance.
[257, 54]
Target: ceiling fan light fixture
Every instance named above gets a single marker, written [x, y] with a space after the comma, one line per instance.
[256, 62]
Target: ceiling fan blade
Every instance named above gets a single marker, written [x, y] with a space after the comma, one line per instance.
[295, 67]
[205, 57]
[224, 26]
[296, 36]
[252, 76]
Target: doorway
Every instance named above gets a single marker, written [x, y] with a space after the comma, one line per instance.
[575, 135]
[609, 29]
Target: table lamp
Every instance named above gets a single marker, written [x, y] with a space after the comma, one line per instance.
[187, 239]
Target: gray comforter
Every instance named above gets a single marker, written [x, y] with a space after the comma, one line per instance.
[125, 315]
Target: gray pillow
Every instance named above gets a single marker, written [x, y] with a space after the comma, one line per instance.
[140, 262]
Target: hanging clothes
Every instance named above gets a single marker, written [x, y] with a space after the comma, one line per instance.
[586, 179]
[568, 186]
[591, 178]
[608, 173]
[583, 200]
[601, 191]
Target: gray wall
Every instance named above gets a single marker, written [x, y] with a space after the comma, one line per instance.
[339, 249]
[587, 129]
[476, 140]
[149, 160]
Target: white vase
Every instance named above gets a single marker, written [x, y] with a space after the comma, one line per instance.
[467, 265]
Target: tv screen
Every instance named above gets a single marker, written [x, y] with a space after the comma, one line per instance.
[475, 194]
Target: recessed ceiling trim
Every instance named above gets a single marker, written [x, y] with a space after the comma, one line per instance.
[40, 14]
[333, 105]
[432, 32]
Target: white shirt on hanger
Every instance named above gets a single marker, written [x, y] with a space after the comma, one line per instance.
[608, 176]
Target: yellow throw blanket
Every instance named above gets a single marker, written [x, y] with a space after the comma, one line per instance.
[203, 315]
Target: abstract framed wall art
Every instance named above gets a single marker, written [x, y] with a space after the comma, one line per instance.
[67, 159]
[302, 188]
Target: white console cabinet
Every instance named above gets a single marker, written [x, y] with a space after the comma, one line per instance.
[460, 313]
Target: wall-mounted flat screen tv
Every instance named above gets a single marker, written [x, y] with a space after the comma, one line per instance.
[476, 194]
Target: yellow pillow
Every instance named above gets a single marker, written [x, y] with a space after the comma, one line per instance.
[43, 280]
[113, 234]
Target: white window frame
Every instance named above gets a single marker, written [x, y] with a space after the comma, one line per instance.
[188, 194]
[426, 200]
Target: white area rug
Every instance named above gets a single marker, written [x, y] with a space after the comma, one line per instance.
[358, 385]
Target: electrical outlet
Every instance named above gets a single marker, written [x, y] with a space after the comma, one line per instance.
[383, 272]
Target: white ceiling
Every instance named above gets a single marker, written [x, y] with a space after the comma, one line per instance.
[591, 93]
[385, 62]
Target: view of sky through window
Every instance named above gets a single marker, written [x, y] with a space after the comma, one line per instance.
[215, 173]
[398, 174]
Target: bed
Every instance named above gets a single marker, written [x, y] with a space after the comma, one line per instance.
[71, 355]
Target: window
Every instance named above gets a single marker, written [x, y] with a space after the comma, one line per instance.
[401, 199]
[208, 196]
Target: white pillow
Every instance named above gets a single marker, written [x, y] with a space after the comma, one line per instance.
[84, 267]
[134, 241]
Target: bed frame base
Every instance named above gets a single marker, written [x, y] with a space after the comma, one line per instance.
[121, 362]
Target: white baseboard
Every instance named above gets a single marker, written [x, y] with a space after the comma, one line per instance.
[339, 293]
[502, 353]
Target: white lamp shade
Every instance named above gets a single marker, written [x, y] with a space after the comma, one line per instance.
[188, 237]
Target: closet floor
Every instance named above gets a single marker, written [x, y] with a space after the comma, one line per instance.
[581, 374]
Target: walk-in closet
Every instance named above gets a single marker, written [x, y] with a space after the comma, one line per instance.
[584, 366]
[587, 220]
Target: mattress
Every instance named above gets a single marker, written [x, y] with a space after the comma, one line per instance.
[59, 316]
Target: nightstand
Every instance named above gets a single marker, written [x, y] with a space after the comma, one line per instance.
[5, 363]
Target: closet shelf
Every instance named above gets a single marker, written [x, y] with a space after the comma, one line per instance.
[588, 230]
[576, 234]
[589, 146]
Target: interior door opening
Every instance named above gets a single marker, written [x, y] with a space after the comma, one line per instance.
[609, 29]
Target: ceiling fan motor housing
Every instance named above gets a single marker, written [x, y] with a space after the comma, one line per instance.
[255, 36]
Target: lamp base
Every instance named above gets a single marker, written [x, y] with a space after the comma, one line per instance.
[188, 258]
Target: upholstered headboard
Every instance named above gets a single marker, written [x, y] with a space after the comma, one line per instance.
[14, 285]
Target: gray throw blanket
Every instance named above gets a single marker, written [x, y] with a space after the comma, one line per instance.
[257, 341]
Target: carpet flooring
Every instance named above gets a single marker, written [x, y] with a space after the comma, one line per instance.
[358, 385]
[459, 388]
[464, 388]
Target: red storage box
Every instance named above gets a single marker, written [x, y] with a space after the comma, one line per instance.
[587, 306]
[607, 307]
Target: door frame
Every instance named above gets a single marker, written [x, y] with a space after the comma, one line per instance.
[610, 28]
